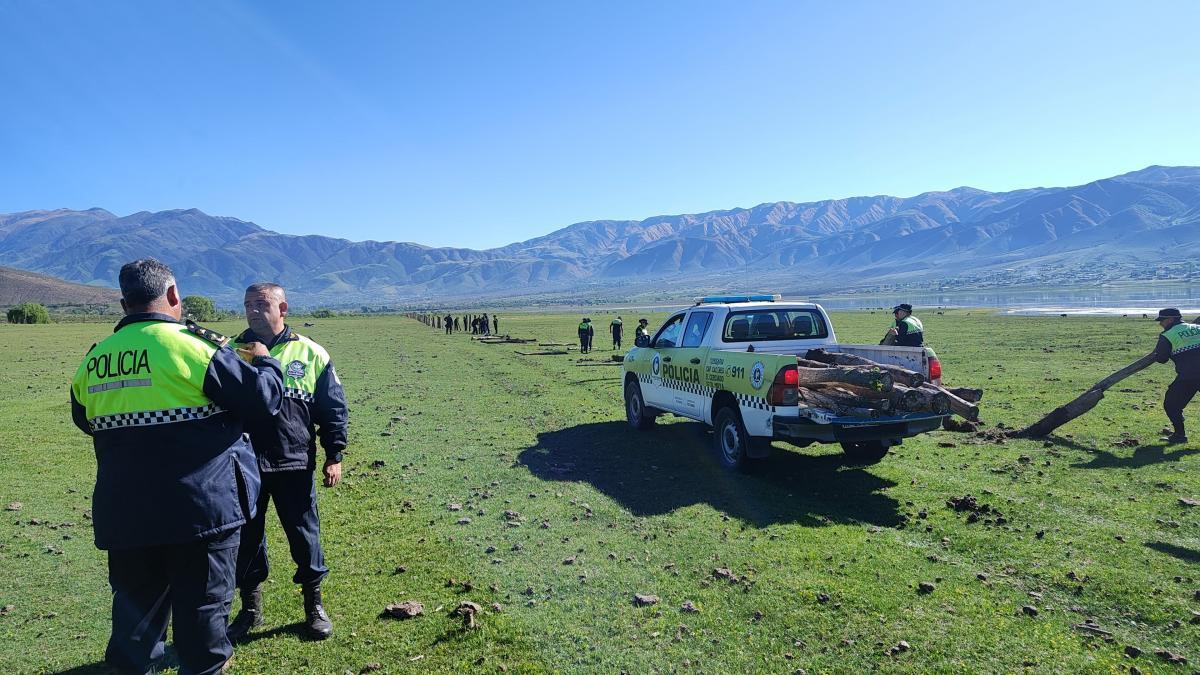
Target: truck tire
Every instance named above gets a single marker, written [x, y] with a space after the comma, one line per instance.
[639, 416]
[866, 452]
[731, 441]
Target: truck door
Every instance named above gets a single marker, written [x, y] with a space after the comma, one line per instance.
[663, 350]
[693, 397]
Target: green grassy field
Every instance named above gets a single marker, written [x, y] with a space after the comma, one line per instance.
[828, 557]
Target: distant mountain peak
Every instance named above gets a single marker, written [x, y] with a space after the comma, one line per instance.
[833, 243]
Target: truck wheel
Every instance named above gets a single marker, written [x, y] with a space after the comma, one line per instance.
[636, 413]
[866, 452]
[730, 439]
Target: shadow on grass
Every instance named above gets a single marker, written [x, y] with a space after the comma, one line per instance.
[1184, 554]
[1144, 455]
[90, 669]
[665, 469]
[295, 629]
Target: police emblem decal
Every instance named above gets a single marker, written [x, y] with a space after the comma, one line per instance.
[295, 369]
[756, 375]
[656, 364]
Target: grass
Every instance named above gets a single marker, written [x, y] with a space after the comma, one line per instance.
[828, 557]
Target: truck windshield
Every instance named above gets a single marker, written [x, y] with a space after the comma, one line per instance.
[761, 325]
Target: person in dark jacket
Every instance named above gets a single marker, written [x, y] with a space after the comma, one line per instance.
[908, 331]
[314, 407]
[495, 325]
[586, 333]
[449, 321]
[165, 405]
[617, 326]
[1178, 342]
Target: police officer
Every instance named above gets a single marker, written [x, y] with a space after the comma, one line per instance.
[617, 326]
[642, 332]
[164, 404]
[1179, 342]
[449, 321]
[586, 333]
[908, 331]
[314, 406]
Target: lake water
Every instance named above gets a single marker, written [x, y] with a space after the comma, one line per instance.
[1098, 300]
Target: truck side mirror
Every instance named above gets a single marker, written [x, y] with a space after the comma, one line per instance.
[641, 341]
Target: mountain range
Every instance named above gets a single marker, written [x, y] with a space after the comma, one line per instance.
[1114, 224]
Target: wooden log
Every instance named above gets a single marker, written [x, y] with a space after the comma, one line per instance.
[958, 406]
[862, 392]
[909, 378]
[1083, 403]
[805, 363]
[967, 393]
[920, 400]
[840, 403]
[872, 378]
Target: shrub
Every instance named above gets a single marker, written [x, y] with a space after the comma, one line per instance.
[199, 308]
[28, 312]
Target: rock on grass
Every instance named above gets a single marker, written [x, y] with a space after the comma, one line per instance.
[644, 600]
[404, 610]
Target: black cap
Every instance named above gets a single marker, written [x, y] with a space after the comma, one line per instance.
[902, 306]
[1168, 313]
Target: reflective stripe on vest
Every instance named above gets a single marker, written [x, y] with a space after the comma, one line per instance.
[914, 324]
[303, 362]
[147, 373]
[1183, 337]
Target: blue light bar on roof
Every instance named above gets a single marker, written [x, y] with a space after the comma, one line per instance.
[740, 298]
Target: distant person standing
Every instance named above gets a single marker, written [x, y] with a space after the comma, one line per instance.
[586, 333]
[908, 331]
[449, 321]
[1178, 342]
[165, 405]
[495, 324]
[456, 329]
[314, 407]
[617, 326]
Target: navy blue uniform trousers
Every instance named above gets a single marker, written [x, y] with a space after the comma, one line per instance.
[191, 584]
[295, 497]
[1179, 394]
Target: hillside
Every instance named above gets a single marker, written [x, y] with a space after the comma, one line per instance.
[17, 286]
[1106, 229]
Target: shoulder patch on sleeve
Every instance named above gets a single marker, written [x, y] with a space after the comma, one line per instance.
[206, 333]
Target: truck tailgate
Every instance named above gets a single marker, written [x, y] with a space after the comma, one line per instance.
[912, 358]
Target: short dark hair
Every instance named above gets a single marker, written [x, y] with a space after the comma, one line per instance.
[144, 281]
[267, 286]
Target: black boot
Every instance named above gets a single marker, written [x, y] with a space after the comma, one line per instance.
[249, 617]
[316, 622]
[1175, 438]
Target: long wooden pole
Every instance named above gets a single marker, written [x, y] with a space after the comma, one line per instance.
[1085, 402]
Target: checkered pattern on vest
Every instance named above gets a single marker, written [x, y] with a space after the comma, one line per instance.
[147, 418]
[298, 394]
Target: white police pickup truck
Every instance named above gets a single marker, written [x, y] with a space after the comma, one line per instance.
[726, 361]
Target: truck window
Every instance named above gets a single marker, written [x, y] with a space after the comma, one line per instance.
[774, 324]
[697, 326]
[668, 335]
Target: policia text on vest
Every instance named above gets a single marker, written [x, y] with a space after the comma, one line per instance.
[175, 478]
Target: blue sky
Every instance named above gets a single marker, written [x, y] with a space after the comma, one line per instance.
[478, 124]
